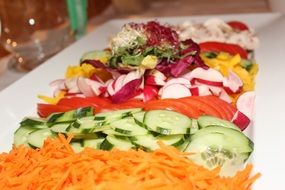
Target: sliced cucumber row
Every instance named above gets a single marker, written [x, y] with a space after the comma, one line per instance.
[213, 141]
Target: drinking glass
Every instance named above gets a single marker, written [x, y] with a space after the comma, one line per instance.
[34, 30]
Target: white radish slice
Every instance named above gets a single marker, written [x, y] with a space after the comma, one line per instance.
[245, 103]
[178, 81]
[59, 83]
[95, 86]
[187, 76]
[152, 80]
[110, 88]
[156, 77]
[213, 89]
[71, 83]
[241, 120]
[209, 76]
[232, 83]
[224, 96]
[84, 87]
[119, 83]
[131, 76]
[175, 91]
[200, 90]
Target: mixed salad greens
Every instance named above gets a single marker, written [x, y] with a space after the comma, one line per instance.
[151, 86]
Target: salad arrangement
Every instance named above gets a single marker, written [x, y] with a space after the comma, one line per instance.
[153, 87]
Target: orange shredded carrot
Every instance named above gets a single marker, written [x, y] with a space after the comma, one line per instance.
[56, 167]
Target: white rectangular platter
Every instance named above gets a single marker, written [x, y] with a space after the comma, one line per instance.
[267, 132]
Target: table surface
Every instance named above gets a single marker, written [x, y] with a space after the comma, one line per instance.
[162, 8]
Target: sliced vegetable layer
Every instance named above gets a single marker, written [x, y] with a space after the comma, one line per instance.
[138, 129]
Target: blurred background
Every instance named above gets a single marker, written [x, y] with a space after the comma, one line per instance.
[34, 30]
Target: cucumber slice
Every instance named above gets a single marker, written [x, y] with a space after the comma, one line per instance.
[214, 146]
[33, 122]
[111, 142]
[70, 116]
[37, 138]
[206, 121]
[114, 133]
[60, 127]
[139, 118]
[128, 127]
[21, 135]
[93, 143]
[194, 127]
[116, 115]
[150, 143]
[167, 122]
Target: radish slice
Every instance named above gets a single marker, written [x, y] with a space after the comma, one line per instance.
[213, 89]
[232, 83]
[241, 120]
[175, 91]
[96, 78]
[95, 86]
[84, 87]
[71, 85]
[178, 81]
[245, 103]
[152, 80]
[59, 83]
[224, 96]
[119, 83]
[110, 88]
[210, 76]
[132, 76]
[200, 90]
[187, 76]
[150, 92]
[155, 77]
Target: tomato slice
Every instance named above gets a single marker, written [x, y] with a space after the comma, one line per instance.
[232, 49]
[238, 25]
[44, 110]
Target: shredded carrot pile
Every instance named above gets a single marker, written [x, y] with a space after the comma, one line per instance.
[56, 166]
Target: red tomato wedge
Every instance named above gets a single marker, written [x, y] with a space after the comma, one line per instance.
[238, 25]
[232, 49]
